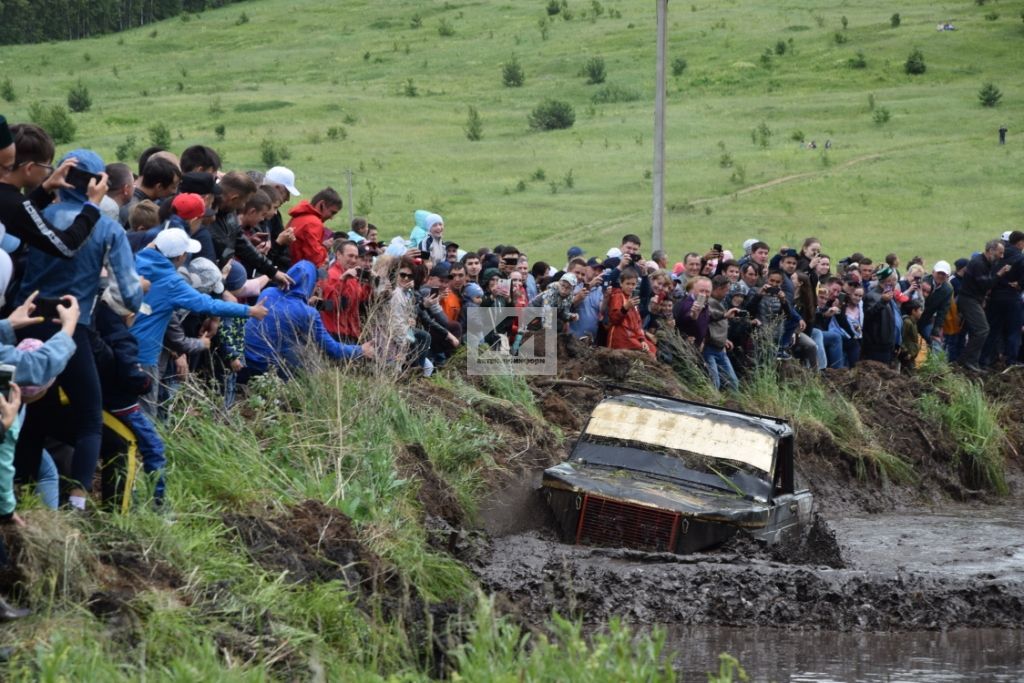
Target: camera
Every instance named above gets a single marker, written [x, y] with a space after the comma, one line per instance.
[742, 313]
[771, 291]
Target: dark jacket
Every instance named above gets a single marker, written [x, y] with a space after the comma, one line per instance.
[979, 277]
[936, 306]
[229, 242]
[1004, 290]
[880, 321]
[23, 218]
[117, 361]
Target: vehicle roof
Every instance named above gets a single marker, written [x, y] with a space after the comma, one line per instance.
[692, 427]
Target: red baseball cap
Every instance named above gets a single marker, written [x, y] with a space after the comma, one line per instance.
[189, 206]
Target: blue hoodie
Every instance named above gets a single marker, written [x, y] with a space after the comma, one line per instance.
[167, 292]
[80, 276]
[292, 322]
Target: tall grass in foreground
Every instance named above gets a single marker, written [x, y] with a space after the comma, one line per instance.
[335, 436]
[973, 419]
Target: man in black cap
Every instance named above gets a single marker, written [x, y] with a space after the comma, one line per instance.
[26, 158]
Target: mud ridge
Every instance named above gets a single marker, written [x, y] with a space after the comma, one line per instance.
[537, 576]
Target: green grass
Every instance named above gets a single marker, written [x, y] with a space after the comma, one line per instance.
[962, 406]
[930, 181]
[811, 404]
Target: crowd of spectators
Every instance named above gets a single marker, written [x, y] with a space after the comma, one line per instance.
[119, 282]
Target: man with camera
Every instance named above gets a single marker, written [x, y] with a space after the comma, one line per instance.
[344, 291]
[981, 275]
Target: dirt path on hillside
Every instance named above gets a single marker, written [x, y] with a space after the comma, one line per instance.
[788, 179]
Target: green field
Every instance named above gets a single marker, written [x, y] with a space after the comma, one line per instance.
[930, 180]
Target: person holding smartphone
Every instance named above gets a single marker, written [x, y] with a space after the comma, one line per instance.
[26, 163]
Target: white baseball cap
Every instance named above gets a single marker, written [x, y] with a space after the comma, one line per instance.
[1006, 235]
[279, 175]
[942, 267]
[614, 252]
[173, 242]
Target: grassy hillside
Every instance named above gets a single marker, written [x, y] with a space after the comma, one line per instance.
[930, 180]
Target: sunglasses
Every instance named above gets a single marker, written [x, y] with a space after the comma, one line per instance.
[405, 275]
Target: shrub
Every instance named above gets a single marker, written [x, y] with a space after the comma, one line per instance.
[55, 120]
[337, 133]
[416, 21]
[474, 126]
[594, 70]
[881, 116]
[552, 115]
[780, 47]
[992, 16]
[678, 66]
[844, 21]
[160, 135]
[78, 98]
[989, 95]
[539, 175]
[125, 150]
[409, 89]
[219, 131]
[7, 90]
[614, 93]
[894, 20]
[512, 75]
[797, 136]
[273, 153]
[858, 61]
[569, 180]
[839, 37]
[243, 18]
[762, 135]
[915, 63]
[554, 7]
[445, 28]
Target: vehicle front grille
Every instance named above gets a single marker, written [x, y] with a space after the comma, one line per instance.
[614, 523]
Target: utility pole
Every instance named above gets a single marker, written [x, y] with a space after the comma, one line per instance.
[348, 181]
[658, 223]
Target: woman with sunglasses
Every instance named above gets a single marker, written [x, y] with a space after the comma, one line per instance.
[409, 317]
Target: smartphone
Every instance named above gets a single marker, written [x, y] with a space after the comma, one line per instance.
[435, 291]
[742, 313]
[6, 377]
[80, 179]
[504, 287]
[425, 255]
[46, 307]
[771, 291]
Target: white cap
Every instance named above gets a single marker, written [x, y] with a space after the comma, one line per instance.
[942, 267]
[173, 242]
[570, 278]
[1006, 235]
[279, 175]
[614, 252]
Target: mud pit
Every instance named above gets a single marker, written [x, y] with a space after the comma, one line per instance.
[892, 581]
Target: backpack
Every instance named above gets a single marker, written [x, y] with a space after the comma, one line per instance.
[952, 324]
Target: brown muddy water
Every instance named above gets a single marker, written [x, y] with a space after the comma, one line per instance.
[921, 597]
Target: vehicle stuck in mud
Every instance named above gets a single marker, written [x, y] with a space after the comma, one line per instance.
[664, 475]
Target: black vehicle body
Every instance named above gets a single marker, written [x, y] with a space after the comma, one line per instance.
[665, 475]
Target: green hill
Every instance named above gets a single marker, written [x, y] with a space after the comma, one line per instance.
[331, 85]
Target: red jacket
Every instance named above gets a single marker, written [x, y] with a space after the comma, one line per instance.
[625, 330]
[342, 298]
[309, 234]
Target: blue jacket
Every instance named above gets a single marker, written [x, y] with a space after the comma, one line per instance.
[80, 276]
[277, 340]
[167, 292]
